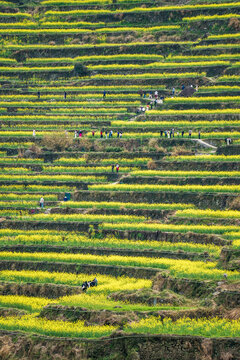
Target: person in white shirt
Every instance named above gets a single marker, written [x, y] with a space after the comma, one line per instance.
[41, 202]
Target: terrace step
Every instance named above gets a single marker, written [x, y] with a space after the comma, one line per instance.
[209, 221]
[167, 236]
[201, 200]
[158, 180]
[187, 287]
[50, 291]
[228, 298]
[105, 251]
[149, 214]
[114, 270]
[106, 317]
[122, 234]
[167, 347]
[199, 165]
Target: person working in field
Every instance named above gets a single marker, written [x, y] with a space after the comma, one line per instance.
[88, 284]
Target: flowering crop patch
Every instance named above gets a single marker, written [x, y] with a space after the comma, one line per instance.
[54, 14]
[179, 173]
[225, 214]
[160, 188]
[211, 17]
[179, 268]
[231, 158]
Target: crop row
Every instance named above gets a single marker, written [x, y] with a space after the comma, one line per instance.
[36, 189]
[87, 300]
[204, 135]
[204, 99]
[33, 324]
[106, 282]
[216, 46]
[124, 161]
[71, 239]
[178, 268]
[179, 173]
[29, 203]
[211, 17]
[224, 36]
[127, 135]
[27, 24]
[83, 218]
[9, 102]
[161, 188]
[23, 204]
[77, 169]
[149, 76]
[21, 69]
[36, 118]
[174, 124]
[204, 158]
[111, 88]
[17, 170]
[120, 205]
[45, 127]
[159, 65]
[16, 15]
[51, 177]
[21, 160]
[95, 58]
[214, 327]
[26, 197]
[218, 88]
[87, 46]
[117, 57]
[208, 213]
[194, 112]
[198, 229]
[230, 78]
[71, 96]
[81, 2]
[53, 14]
[102, 30]
[15, 145]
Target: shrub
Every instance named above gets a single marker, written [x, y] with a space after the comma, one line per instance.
[180, 150]
[235, 204]
[151, 165]
[57, 141]
[81, 70]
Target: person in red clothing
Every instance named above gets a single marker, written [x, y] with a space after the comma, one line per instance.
[117, 168]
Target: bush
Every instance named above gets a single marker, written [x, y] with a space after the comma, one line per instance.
[235, 204]
[36, 150]
[81, 70]
[180, 150]
[151, 165]
[57, 141]
[153, 144]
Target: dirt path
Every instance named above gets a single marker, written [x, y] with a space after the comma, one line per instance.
[205, 144]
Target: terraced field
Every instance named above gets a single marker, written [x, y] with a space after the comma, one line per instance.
[120, 161]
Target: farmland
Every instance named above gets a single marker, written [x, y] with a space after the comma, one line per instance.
[119, 180]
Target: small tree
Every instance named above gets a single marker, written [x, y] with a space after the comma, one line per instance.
[81, 70]
[57, 141]
[20, 56]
